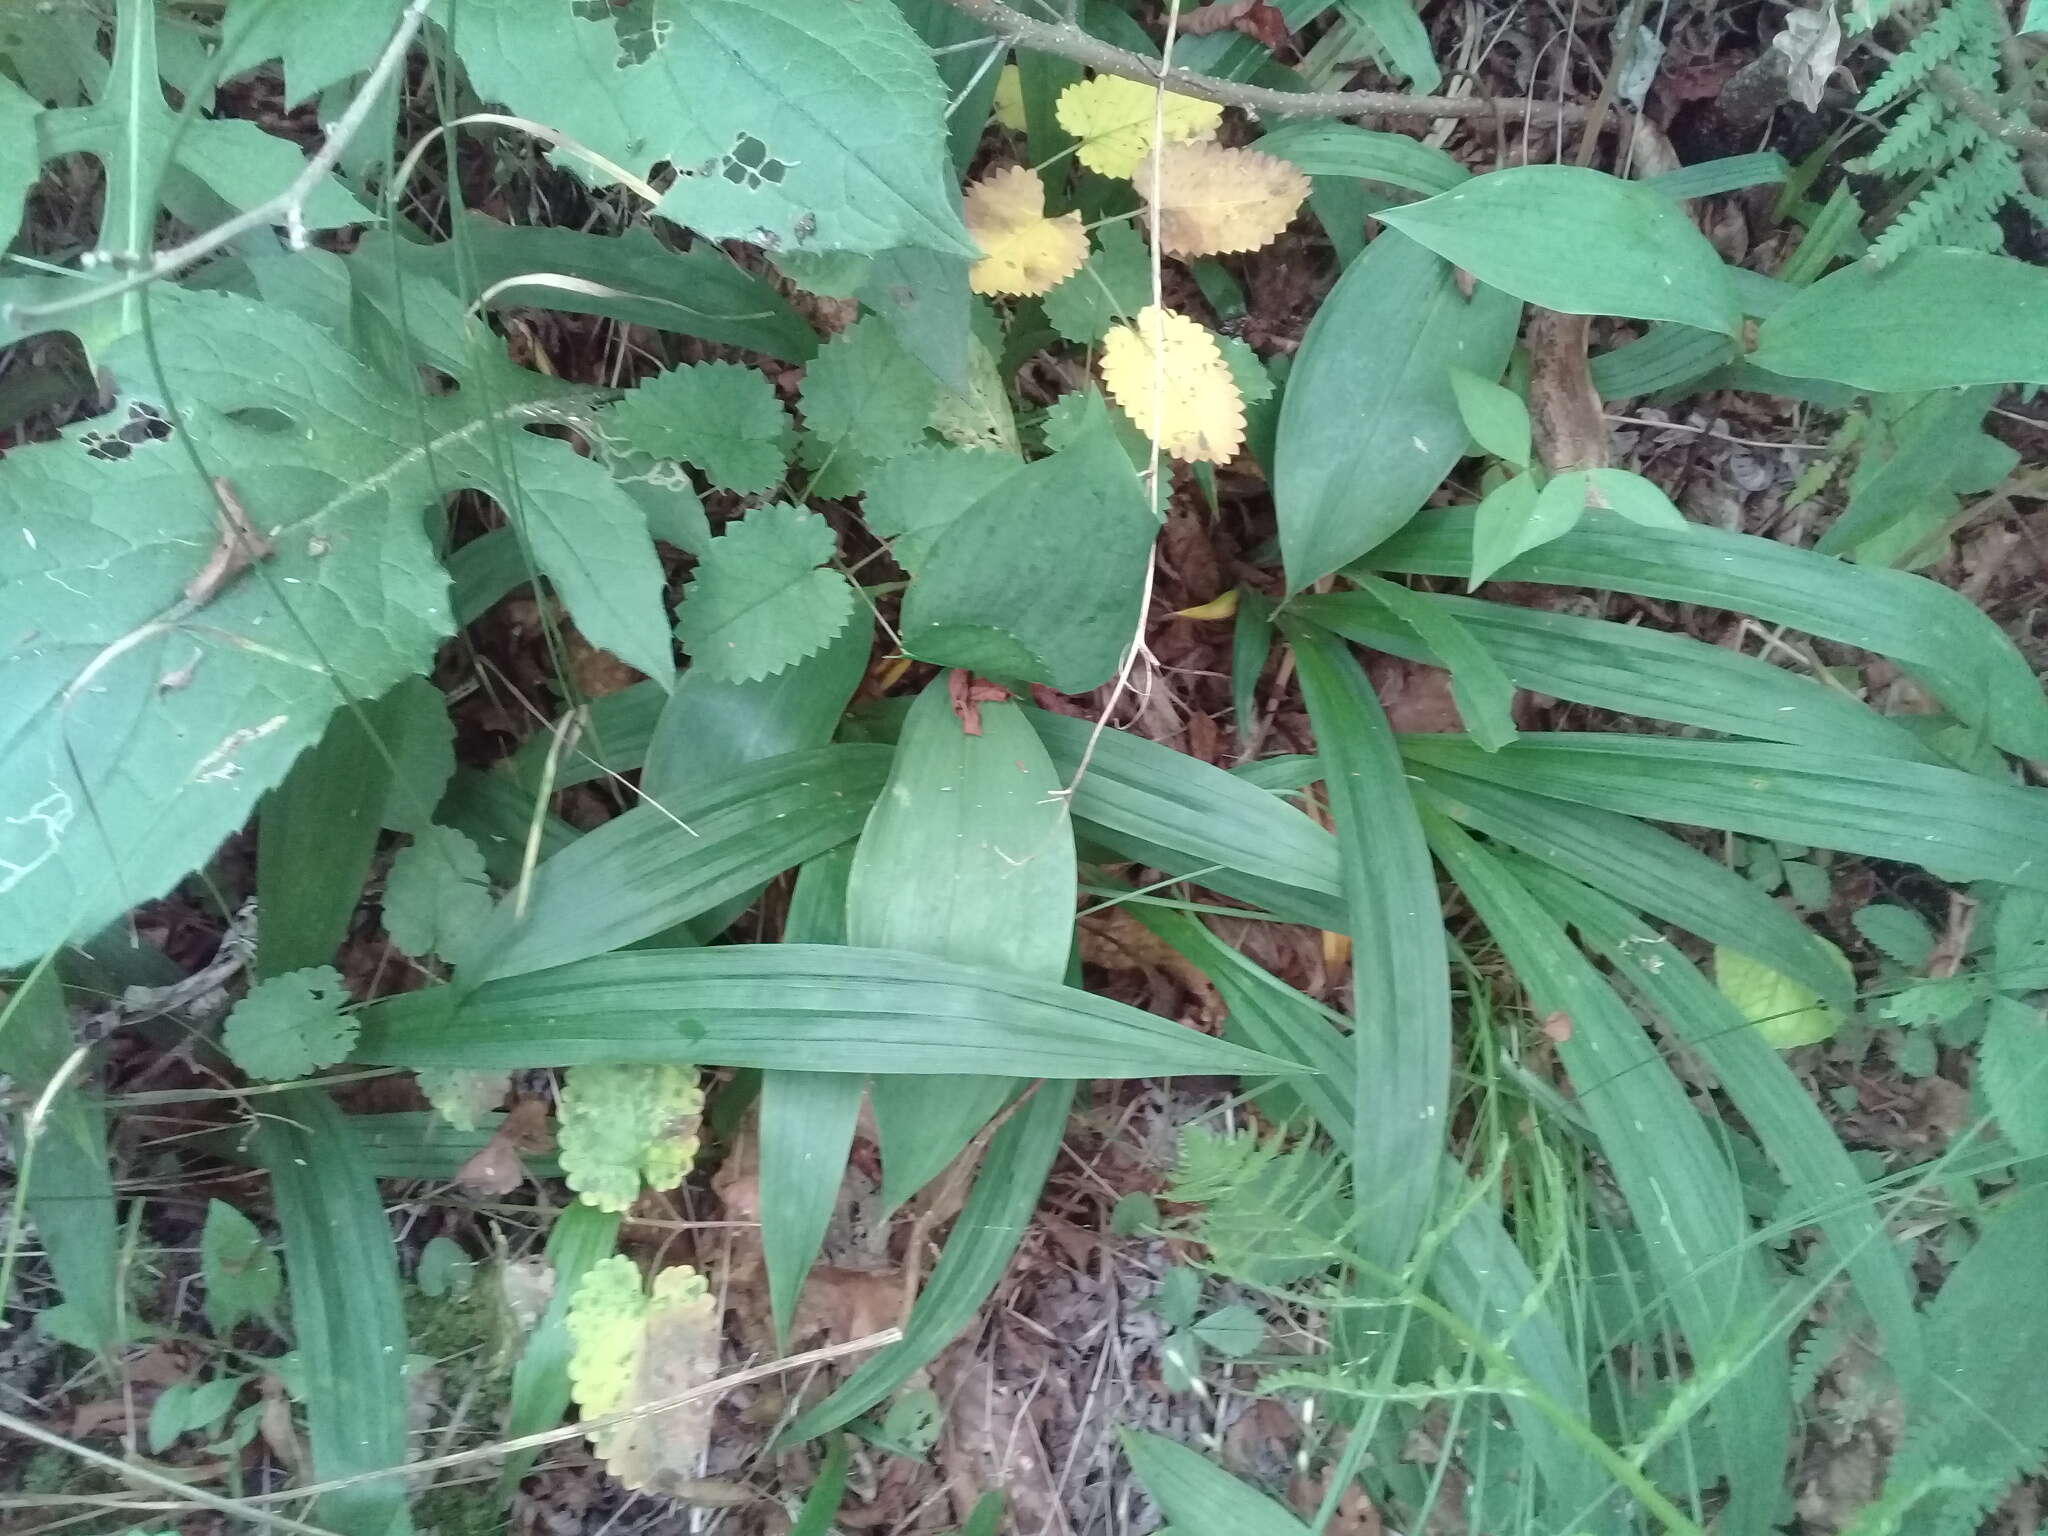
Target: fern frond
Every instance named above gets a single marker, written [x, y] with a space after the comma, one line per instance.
[1955, 28]
[1958, 207]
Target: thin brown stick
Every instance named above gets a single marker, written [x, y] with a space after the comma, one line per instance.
[1070, 42]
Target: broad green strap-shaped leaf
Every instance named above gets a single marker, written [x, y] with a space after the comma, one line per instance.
[581, 1236]
[1686, 1200]
[1730, 174]
[659, 865]
[1960, 825]
[1643, 867]
[1344, 149]
[1632, 670]
[1192, 819]
[319, 44]
[1478, 1271]
[20, 165]
[1199, 1497]
[1935, 318]
[347, 1324]
[1401, 983]
[978, 1251]
[1482, 688]
[61, 1170]
[141, 724]
[406, 1144]
[1370, 425]
[1816, 1166]
[968, 856]
[1000, 591]
[1529, 230]
[819, 1007]
[1938, 634]
[806, 127]
[807, 1119]
[639, 280]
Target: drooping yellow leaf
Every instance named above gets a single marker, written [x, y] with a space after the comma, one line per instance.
[1010, 99]
[630, 1348]
[1023, 251]
[1114, 120]
[1212, 199]
[1168, 375]
[1223, 607]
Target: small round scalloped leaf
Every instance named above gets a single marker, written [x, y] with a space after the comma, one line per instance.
[1167, 374]
[1115, 120]
[1212, 199]
[629, 1348]
[619, 1123]
[291, 1025]
[1025, 252]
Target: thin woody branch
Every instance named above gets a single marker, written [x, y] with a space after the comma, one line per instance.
[1070, 42]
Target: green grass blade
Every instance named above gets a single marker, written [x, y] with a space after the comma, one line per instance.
[1938, 634]
[654, 867]
[405, 1144]
[978, 1251]
[60, 1157]
[967, 856]
[1816, 1167]
[1199, 1497]
[1685, 1197]
[581, 1236]
[1644, 868]
[1633, 670]
[347, 1324]
[1176, 813]
[819, 1007]
[807, 1119]
[1478, 1271]
[821, 1504]
[1401, 968]
[1959, 825]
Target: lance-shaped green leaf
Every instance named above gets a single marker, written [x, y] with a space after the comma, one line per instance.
[1400, 967]
[820, 1007]
[968, 856]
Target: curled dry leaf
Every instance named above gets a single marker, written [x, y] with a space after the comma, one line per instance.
[1024, 251]
[1168, 375]
[1115, 121]
[1212, 199]
[497, 1167]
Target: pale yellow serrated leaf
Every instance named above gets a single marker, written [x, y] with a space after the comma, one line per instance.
[1010, 99]
[1212, 199]
[1114, 120]
[1167, 374]
[1023, 251]
[630, 1348]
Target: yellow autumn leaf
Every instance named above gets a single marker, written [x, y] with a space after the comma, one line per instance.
[1168, 375]
[1010, 98]
[1114, 120]
[1212, 199]
[630, 1348]
[1023, 251]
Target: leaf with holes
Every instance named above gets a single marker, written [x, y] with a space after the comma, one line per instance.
[816, 127]
[291, 1025]
[760, 600]
[632, 1348]
[620, 1123]
[152, 688]
[721, 417]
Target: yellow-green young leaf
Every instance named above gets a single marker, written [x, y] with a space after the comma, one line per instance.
[1494, 415]
[620, 1123]
[760, 599]
[291, 1025]
[632, 1348]
[461, 1097]
[1783, 1011]
[1116, 119]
